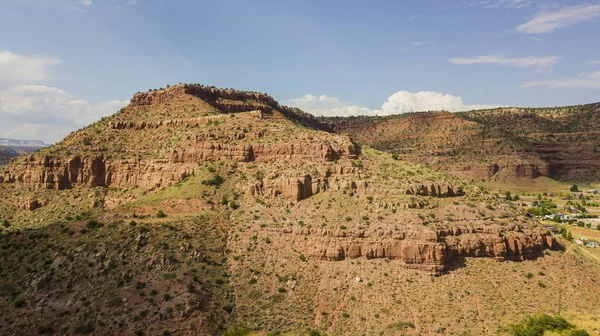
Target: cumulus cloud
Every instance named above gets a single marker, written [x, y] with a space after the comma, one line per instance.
[521, 62]
[405, 101]
[19, 69]
[399, 102]
[589, 80]
[326, 106]
[87, 3]
[547, 22]
[47, 113]
[595, 61]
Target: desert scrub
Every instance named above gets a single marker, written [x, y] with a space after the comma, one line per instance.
[401, 325]
[538, 325]
[215, 180]
[93, 224]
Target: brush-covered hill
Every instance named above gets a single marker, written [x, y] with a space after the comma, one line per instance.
[197, 210]
[503, 144]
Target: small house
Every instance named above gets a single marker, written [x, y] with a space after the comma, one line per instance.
[593, 244]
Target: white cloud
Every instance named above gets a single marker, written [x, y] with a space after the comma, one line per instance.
[19, 69]
[420, 43]
[521, 62]
[87, 3]
[399, 102]
[503, 3]
[326, 106]
[47, 113]
[589, 80]
[595, 61]
[549, 21]
[132, 2]
[404, 101]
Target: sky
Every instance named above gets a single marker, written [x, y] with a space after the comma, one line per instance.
[67, 63]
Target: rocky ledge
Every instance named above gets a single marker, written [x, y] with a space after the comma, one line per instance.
[422, 248]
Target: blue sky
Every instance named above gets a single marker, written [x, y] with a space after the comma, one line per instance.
[66, 63]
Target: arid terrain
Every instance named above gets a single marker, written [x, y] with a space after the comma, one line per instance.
[204, 211]
[509, 145]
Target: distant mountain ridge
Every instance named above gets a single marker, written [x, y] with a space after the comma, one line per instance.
[22, 143]
[10, 148]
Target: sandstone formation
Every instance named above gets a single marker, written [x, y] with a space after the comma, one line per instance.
[92, 171]
[434, 189]
[427, 249]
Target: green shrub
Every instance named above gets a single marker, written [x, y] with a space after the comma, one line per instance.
[160, 214]
[93, 224]
[302, 257]
[6, 223]
[84, 329]
[44, 330]
[538, 325]
[215, 180]
[401, 325]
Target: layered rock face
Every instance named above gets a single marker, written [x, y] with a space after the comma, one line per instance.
[425, 249]
[332, 177]
[500, 144]
[434, 189]
[91, 171]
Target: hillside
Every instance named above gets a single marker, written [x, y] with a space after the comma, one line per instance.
[503, 144]
[196, 210]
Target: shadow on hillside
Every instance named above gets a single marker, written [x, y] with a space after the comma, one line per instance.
[458, 262]
[455, 263]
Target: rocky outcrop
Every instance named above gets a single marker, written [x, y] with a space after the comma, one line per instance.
[224, 99]
[29, 204]
[52, 172]
[425, 249]
[435, 189]
[181, 122]
[297, 188]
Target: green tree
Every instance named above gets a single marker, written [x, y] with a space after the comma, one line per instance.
[574, 188]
